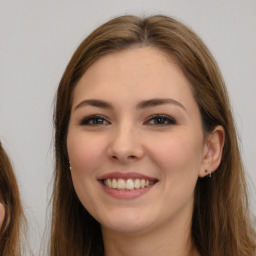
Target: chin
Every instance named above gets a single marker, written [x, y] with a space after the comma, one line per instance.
[128, 223]
[126, 228]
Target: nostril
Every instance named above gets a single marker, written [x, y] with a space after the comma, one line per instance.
[131, 157]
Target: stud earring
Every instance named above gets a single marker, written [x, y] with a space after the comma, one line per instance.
[209, 173]
[70, 166]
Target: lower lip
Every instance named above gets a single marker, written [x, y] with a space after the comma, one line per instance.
[126, 194]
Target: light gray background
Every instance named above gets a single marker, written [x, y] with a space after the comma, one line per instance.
[37, 39]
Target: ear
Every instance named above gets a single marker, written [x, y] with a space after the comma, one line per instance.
[212, 151]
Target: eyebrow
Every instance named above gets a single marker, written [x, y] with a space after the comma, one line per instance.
[157, 102]
[141, 105]
[94, 103]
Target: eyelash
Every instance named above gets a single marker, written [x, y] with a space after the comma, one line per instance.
[95, 119]
[163, 120]
[158, 120]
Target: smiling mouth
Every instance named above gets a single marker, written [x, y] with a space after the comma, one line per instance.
[127, 184]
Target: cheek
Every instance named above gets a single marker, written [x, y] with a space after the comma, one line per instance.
[84, 152]
[178, 155]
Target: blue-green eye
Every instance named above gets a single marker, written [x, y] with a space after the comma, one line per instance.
[161, 120]
[94, 120]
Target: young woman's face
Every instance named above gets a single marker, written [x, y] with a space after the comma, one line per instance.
[135, 142]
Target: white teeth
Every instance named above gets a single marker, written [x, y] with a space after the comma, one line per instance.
[128, 184]
[137, 183]
[142, 183]
[109, 183]
[121, 184]
[114, 183]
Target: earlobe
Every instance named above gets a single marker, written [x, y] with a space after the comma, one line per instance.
[213, 151]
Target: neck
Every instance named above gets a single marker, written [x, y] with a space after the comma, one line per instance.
[172, 239]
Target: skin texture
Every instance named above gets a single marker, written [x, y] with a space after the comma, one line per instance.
[171, 149]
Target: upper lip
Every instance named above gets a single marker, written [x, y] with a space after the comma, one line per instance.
[125, 176]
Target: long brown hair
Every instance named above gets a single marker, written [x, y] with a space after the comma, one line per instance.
[10, 231]
[221, 223]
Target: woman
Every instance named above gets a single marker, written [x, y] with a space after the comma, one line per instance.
[11, 213]
[147, 161]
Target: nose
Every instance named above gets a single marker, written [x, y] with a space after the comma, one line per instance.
[125, 145]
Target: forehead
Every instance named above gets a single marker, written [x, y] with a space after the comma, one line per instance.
[143, 72]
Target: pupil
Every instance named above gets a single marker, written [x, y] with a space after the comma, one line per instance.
[97, 121]
[160, 120]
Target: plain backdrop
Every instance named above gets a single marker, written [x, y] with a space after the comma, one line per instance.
[37, 39]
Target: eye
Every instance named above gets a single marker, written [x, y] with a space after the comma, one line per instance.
[94, 120]
[161, 120]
